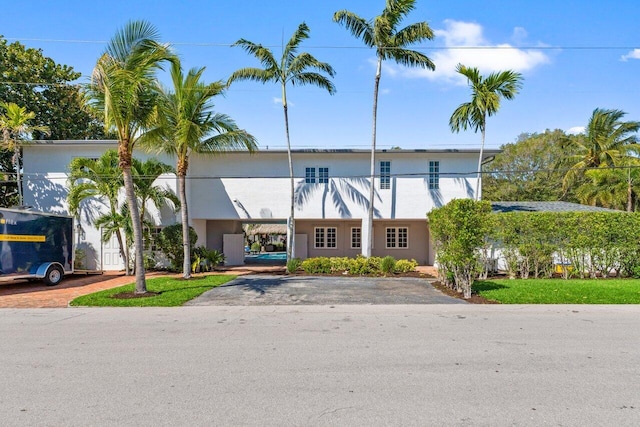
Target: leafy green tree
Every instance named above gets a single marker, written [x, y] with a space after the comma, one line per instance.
[99, 179]
[124, 88]
[295, 68]
[526, 169]
[46, 88]
[458, 230]
[189, 125]
[15, 127]
[390, 43]
[609, 142]
[486, 93]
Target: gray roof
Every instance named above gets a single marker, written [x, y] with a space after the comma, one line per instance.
[545, 207]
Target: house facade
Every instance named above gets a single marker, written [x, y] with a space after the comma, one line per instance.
[226, 192]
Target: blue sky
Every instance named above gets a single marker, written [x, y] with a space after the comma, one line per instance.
[575, 55]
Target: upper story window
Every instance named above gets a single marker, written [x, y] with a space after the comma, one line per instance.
[310, 175]
[434, 175]
[322, 177]
[385, 174]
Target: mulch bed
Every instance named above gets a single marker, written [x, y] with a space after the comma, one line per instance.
[133, 295]
[475, 298]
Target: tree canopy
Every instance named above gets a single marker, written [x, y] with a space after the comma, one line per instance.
[44, 87]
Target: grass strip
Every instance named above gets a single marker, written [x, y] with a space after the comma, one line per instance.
[559, 291]
[171, 291]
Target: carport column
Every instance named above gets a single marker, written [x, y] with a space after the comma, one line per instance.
[365, 237]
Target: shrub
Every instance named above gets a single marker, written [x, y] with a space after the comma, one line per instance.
[319, 265]
[170, 243]
[256, 246]
[405, 266]
[362, 265]
[293, 264]
[388, 264]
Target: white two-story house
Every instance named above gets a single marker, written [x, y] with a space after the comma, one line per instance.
[332, 195]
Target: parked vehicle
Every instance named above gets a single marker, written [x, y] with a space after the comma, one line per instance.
[35, 245]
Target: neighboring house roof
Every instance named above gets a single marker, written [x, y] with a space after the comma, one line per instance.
[268, 229]
[545, 207]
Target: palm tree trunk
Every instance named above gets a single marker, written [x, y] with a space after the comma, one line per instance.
[480, 164]
[124, 253]
[184, 213]
[291, 225]
[134, 212]
[372, 187]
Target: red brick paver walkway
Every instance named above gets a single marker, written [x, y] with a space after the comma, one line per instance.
[23, 294]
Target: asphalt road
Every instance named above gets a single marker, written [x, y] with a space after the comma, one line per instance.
[364, 365]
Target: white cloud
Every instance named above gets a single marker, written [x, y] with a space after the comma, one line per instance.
[576, 130]
[634, 54]
[467, 45]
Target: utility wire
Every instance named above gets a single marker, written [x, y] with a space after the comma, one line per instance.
[41, 176]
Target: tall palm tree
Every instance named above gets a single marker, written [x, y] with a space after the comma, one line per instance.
[486, 94]
[608, 142]
[15, 128]
[189, 125]
[102, 179]
[382, 34]
[295, 68]
[124, 88]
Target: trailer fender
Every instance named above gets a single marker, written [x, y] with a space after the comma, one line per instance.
[51, 273]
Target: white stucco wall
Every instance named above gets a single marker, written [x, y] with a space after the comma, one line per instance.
[244, 187]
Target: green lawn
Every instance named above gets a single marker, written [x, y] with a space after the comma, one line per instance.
[173, 292]
[558, 291]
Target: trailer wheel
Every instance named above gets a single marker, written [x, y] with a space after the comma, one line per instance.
[54, 275]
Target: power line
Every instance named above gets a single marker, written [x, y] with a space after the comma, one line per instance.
[357, 47]
[426, 174]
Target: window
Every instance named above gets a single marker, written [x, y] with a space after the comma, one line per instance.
[397, 237]
[434, 175]
[310, 175]
[356, 237]
[385, 175]
[323, 175]
[325, 237]
[152, 242]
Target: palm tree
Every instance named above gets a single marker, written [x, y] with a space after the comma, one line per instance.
[145, 175]
[125, 90]
[97, 178]
[611, 188]
[381, 33]
[188, 125]
[295, 68]
[15, 127]
[608, 142]
[486, 94]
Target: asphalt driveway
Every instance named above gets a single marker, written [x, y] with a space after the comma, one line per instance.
[313, 290]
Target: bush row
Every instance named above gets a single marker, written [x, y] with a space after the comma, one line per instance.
[357, 266]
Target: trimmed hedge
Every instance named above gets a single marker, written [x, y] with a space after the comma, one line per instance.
[357, 266]
[592, 243]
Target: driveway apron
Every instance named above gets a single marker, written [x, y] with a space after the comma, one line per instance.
[326, 290]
